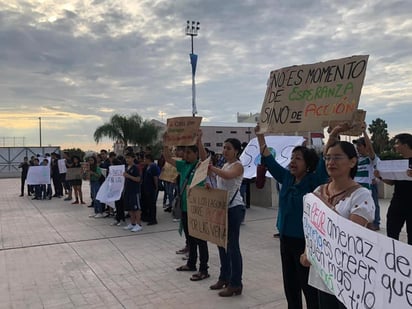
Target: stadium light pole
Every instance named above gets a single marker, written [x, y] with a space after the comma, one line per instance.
[192, 29]
[40, 130]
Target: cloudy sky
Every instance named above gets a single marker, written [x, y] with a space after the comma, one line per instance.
[75, 63]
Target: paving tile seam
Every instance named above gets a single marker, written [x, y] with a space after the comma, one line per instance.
[97, 276]
[84, 240]
[99, 238]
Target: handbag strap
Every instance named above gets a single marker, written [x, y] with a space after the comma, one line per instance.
[181, 190]
[233, 197]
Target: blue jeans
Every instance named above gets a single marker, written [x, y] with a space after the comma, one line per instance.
[377, 220]
[231, 259]
[94, 188]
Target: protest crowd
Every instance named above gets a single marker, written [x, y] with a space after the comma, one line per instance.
[328, 208]
[139, 176]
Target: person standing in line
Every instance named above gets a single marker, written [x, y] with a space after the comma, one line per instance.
[345, 196]
[186, 168]
[94, 178]
[120, 218]
[24, 170]
[304, 174]
[367, 161]
[150, 187]
[400, 208]
[66, 183]
[131, 194]
[77, 183]
[229, 178]
[55, 175]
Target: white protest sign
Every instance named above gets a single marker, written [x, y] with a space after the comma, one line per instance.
[112, 188]
[280, 146]
[38, 175]
[200, 173]
[364, 269]
[393, 169]
[62, 166]
[305, 97]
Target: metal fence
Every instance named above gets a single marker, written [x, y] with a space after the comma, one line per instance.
[11, 157]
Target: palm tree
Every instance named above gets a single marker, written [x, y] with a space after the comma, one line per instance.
[129, 130]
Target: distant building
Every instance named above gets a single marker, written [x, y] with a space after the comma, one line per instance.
[214, 134]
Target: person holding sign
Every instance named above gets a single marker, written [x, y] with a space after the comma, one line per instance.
[186, 168]
[367, 160]
[131, 194]
[305, 173]
[230, 178]
[400, 210]
[343, 195]
[77, 183]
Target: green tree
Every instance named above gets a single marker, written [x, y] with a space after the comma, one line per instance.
[129, 130]
[379, 135]
[75, 152]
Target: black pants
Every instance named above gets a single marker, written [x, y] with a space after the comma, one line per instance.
[120, 210]
[193, 244]
[295, 276]
[149, 202]
[328, 301]
[23, 180]
[399, 212]
[58, 186]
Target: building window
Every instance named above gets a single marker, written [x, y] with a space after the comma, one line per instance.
[219, 144]
[219, 131]
[206, 144]
[233, 132]
[248, 132]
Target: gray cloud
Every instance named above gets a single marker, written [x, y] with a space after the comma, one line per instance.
[112, 57]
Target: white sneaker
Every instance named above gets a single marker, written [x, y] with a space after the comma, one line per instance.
[115, 223]
[99, 216]
[92, 215]
[136, 228]
[120, 223]
[129, 226]
[176, 220]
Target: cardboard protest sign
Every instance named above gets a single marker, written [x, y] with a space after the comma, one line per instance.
[74, 173]
[200, 173]
[38, 175]
[182, 131]
[364, 269]
[61, 163]
[393, 169]
[280, 146]
[207, 214]
[307, 97]
[112, 188]
[357, 121]
[169, 173]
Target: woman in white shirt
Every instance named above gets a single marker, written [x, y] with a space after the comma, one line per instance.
[229, 178]
[347, 198]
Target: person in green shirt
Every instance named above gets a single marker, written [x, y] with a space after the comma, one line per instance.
[186, 169]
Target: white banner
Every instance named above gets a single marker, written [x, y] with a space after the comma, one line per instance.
[364, 269]
[393, 169]
[112, 188]
[38, 175]
[61, 163]
[280, 146]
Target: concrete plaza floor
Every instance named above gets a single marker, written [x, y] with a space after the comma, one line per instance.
[52, 255]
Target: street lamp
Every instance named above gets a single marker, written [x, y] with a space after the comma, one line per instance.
[192, 28]
[40, 130]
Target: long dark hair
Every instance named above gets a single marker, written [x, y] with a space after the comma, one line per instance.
[350, 151]
[93, 167]
[236, 144]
